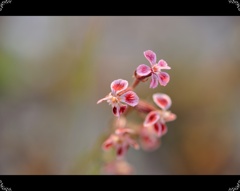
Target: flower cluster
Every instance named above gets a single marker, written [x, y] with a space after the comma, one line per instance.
[146, 135]
[154, 71]
[120, 96]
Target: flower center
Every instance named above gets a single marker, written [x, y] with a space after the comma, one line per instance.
[156, 68]
[114, 100]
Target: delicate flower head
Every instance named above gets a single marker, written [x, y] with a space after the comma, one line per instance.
[120, 97]
[120, 140]
[148, 139]
[155, 70]
[158, 118]
[118, 167]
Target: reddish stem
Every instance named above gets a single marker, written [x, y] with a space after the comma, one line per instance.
[135, 83]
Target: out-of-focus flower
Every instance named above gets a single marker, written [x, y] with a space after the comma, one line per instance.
[120, 140]
[158, 118]
[155, 70]
[120, 97]
[118, 167]
[148, 139]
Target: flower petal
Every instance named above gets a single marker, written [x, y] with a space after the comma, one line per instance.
[164, 128]
[162, 100]
[115, 110]
[122, 109]
[163, 65]
[158, 129]
[130, 98]
[150, 56]
[151, 118]
[148, 139]
[121, 150]
[143, 70]
[149, 143]
[103, 99]
[163, 78]
[107, 144]
[119, 85]
[169, 116]
[154, 81]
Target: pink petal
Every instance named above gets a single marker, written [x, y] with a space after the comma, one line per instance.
[154, 81]
[103, 99]
[107, 144]
[163, 65]
[151, 118]
[150, 56]
[149, 143]
[122, 109]
[143, 70]
[115, 110]
[163, 78]
[119, 85]
[158, 129]
[170, 117]
[130, 98]
[121, 150]
[164, 128]
[162, 100]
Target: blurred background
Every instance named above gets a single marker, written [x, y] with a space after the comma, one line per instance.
[53, 70]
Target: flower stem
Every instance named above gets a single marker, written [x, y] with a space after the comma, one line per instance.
[135, 83]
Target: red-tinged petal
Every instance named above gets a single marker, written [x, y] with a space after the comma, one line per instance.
[107, 144]
[151, 118]
[121, 150]
[143, 70]
[103, 99]
[150, 56]
[158, 129]
[154, 81]
[119, 85]
[130, 98]
[164, 128]
[148, 139]
[115, 110]
[163, 65]
[149, 143]
[163, 78]
[169, 117]
[122, 109]
[162, 100]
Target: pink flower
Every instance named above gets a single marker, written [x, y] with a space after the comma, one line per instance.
[155, 70]
[119, 97]
[158, 118]
[118, 167]
[120, 140]
[148, 139]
